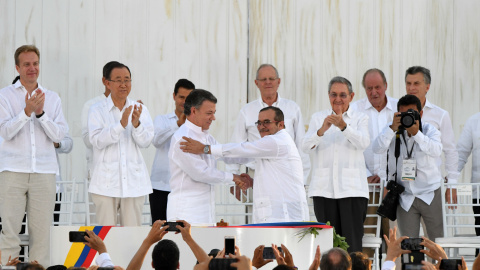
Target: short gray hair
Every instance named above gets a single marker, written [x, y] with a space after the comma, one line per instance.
[416, 69]
[267, 65]
[341, 80]
[374, 70]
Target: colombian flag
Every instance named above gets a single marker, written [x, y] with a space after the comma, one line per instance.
[81, 255]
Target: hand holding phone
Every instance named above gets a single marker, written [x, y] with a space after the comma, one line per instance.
[172, 226]
[229, 245]
[77, 236]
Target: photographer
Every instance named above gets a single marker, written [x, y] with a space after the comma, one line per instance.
[418, 146]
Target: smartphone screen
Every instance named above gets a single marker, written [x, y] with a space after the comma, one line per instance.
[77, 236]
[172, 226]
[229, 245]
[268, 252]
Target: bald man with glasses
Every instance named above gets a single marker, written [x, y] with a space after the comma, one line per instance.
[267, 80]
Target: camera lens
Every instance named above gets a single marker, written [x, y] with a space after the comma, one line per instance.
[407, 121]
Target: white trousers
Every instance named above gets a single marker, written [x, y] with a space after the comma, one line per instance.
[35, 194]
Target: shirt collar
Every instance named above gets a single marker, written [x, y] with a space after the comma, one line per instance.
[195, 128]
[349, 112]
[18, 85]
[110, 104]
[369, 105]
[275, 104]
[428, 104]
[172, 115]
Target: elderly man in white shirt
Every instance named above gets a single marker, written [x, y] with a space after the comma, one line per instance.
[118, 127]
[86, 107]
[337, 138]
[267, 80]
[420, 145]
[417, 82]
[31, 121]
[165, 125]
[469, 143]
[278, 192]
[193, 177]
[379, 108]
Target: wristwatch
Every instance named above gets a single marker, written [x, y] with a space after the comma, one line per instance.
[206, 149]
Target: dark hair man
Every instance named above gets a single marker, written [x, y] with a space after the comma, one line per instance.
[165, 125]
[337, 138]
[31, 121]
[118, 127]
[86, 107]
[278, 187]
[417, 82]
[193, 176]
[415, 169]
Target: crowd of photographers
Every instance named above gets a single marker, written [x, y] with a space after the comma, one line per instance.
[166, 255]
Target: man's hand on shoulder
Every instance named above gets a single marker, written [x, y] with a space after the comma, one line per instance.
[191, 146]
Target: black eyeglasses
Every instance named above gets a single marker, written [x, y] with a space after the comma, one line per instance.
[265, 123]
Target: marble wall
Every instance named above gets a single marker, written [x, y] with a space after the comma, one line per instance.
[219, 44]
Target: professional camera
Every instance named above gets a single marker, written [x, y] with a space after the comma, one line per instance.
[408, 118]
[388, 208]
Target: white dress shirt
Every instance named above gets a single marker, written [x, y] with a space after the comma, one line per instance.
[339, 166]
[28, 145]
[440, 119]
[165, 126]
[427, 148]
[104, 260]
[278, 192]
[246, 131]
[377, 120]
[86, 138]
[469, 143]
[193, 178]
[118, 167]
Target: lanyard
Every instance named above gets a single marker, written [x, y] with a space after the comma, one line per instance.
[409, 155]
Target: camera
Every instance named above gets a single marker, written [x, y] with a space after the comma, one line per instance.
[77, 236]
[408, 118]
[388, 208]
[268, 252]
[412, 244]
[450, 264]
[172, 226]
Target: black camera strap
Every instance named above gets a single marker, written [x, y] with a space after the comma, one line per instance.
[409, 154]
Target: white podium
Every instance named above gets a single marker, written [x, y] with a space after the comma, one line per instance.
[123, 242]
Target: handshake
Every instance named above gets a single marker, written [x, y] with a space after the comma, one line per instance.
[243, 181]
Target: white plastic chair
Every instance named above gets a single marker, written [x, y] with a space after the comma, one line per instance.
[370, 240]
[459, 223]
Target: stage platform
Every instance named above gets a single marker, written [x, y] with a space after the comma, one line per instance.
[123, 242]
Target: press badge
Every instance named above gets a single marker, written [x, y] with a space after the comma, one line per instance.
[409, 169]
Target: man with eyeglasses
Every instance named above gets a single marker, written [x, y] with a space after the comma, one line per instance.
[278, 192]
[337, 138]
[118, 127]
[267, 80]
[86, 107]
